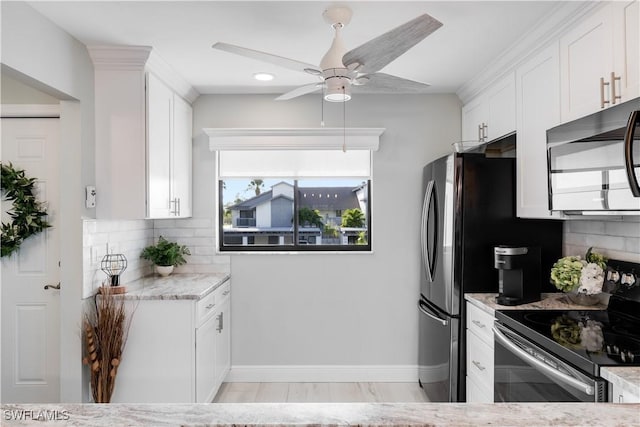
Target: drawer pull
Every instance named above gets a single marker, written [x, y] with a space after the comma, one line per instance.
[210, 306]
[478, 365]
[478, 324]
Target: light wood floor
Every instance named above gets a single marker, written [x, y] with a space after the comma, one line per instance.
[320, 392]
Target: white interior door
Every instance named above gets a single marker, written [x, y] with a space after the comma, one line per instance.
[30, 314]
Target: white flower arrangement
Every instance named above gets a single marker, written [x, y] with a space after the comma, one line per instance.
[583, 276]
[591, 279]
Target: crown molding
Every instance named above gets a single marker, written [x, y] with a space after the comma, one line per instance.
[548, 30]
[119, 57]
[293, 138]
[141, 58]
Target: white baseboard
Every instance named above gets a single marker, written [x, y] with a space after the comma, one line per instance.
[322, 373]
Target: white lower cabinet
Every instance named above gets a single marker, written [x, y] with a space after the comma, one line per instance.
[479, 355]
[175, 351]
[618, 394]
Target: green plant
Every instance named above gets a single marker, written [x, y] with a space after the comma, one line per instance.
[353, 218]
[165, 253]
[308, 217]
[28, 215]
[362, 238]
[330, 231]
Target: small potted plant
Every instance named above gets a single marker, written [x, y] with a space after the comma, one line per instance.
[165, 255]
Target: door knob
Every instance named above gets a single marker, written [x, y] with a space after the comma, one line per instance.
[52, 286]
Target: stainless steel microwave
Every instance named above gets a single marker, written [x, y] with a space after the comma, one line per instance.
[593, 163]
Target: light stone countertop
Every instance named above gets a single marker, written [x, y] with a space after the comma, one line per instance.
[175, 287]
[327, 414]
[625, 377]
[549, 301]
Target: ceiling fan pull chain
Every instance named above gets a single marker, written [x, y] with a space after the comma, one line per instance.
[344, 124]
[322, 108]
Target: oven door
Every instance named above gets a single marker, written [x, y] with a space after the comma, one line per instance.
[526, 373]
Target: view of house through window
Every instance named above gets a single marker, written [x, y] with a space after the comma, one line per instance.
[287, 214]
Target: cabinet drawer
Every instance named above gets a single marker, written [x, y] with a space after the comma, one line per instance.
[477, 393]
[479, 361]
[205, 307]
[223, 291]
[480, 322]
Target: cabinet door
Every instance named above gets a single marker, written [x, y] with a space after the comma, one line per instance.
[501, 102]
[223, 340]
[181, 158]
[159, 130]
[620, 395]
[474, 115]
[206, 360]
[626, 38]
[537, 85]
[586, 55]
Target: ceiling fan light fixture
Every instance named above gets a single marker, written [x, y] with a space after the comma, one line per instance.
[338, 89]
[263, 77]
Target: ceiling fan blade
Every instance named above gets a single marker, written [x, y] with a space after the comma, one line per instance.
[386, 83]
[299, 91]
[377, 53]
[291, 64]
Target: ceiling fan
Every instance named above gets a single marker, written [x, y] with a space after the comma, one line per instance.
[340, 70]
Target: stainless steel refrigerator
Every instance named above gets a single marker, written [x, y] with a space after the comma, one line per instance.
[468, 209]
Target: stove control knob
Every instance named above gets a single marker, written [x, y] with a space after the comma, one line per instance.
[613, 276]
[628, 279]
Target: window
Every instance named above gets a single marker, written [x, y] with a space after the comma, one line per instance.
[297, 192]
[301, 214]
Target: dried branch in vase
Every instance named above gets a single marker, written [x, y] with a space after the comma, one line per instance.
[105, 333]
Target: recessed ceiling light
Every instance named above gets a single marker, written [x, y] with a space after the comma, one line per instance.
[263, 77]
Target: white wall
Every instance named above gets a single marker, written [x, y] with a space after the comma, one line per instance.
[336, 309]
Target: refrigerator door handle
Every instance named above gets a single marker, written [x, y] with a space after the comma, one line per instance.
[423, 309]
[428, 258]
[634, 120]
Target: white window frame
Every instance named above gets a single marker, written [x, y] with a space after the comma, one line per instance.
[235, 139]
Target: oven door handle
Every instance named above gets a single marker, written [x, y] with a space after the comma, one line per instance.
[541, 365]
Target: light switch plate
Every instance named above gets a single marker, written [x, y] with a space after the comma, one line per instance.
[90, 197]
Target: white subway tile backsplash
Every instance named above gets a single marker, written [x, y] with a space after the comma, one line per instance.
[616, 239]
[131, 237]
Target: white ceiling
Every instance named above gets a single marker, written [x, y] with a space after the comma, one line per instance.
[182, 32]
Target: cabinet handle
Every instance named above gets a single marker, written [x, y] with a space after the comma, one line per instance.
[220, 322]
[226, 292]
[478, 365]
[173, 202]
[210, 306]
[478, 324]
[178, 206]
[485, 132]
[614, 79]
[480, 132]
[602, 85]
[620, 399]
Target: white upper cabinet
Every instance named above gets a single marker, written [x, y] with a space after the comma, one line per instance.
[502, 107]
[626, 48]
[538, 101]
[169, 120]
[475, 116]
[181, 157]
[599, 60]
[143, 135]
[491, 114]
